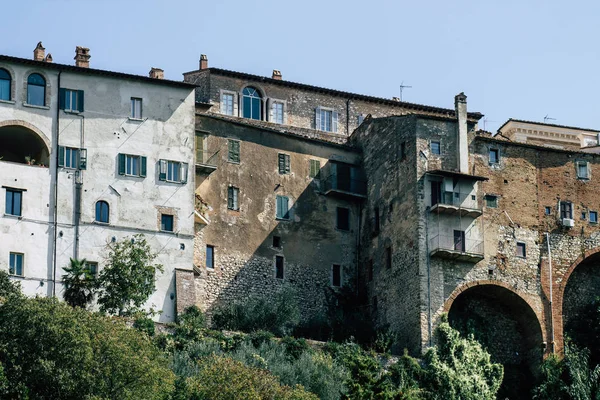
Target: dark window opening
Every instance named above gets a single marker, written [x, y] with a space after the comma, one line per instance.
[388, 257]
[22, 145]
[210, 256]
[370, 270]
[343, 218]
[494, 156]
[336, 275]
[166, 222]
[279, 267]
[459, 241]
[277, 242]
[566, 210]
[521, 251]
[14, 202]
[102, 211]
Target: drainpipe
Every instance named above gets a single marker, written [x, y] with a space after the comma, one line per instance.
[78, 187]
[429, 321]
[348, 117]
[550, 285]
[55, 212]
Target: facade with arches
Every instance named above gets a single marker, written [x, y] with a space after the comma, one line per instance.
[81, 167]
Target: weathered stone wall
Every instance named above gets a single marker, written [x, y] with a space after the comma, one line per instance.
[243, 240]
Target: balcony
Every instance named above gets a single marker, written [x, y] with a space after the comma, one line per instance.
[453, 248]
[335, 185]
[454, 203]
[201, 209]
[206, 161]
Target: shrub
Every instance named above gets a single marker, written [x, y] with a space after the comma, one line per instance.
[294, 348]
[259, 337]
[145, 325]
[190, 325]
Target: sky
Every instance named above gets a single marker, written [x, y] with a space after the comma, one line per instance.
[524, 59]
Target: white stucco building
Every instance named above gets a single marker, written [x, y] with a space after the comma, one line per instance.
[109, 155]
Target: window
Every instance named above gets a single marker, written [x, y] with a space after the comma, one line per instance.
[136, 108]
[92, 267]
[459, 241]
[279, 267]
[15, 264]
[593, 217]
[343, 218]
[173, 171]
[227, 104]
[234, 151]
[251, 103]
[376, 221]
[582, 170]
[277, 110]
[566, 210]
[14, 200]
[547, 210]
[494, 156]
[361, 119]
[283, 211]
[583, 215]
[210, 256]
[71, 100]
[36, 90]
[370, 270]
[131, 165]
[326, 120]
[336, 275]
[70, 157]
[201, 152]
[5, 85]
[166, 222]
[402, 151]
[102, 211]
[521, 250]
[315, 168]
[284, 164]
[232, 198]
[435, 148]
[277, 242]
[388, 257]
[491, 201]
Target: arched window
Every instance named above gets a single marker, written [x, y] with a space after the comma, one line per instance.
[102, 211]
[251, 103]
[36, 90]
[5, 82]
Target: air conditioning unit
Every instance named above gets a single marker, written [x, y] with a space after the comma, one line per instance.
[568, 222]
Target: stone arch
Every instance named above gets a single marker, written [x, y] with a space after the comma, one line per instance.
[508, 324]
[19, 139]
[263, 94]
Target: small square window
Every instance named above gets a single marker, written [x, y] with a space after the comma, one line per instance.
[436, 148]
[326, 120]
[70, 157]
[279, 261]
[132, 165]
[14, 200]
[233, 154]
[566, 210]
[521, 252]
[277, 242]
[172, 171]
[494, 156]
[284, 164]
[336, 275]
[166, 222]
[136, 108]
[15, 264]
[233, 194]
[491, 201]
[593, 217]
[210, 256]
[71, 100]
[343, 218]
[582, 170]
[547, 210]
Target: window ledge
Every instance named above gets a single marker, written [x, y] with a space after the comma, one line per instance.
[7, 102]
[100, 223]
[75, 112]
[35, 106]
[164, 231]
[233, 162]
[135, 119]
[19, 217]
[282, 219]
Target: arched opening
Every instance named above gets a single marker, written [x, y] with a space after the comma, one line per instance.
[5, 84]
[508, 328]
[102, 211]
[36, 90]
[251, 103]
[581, 300]
[22, 145]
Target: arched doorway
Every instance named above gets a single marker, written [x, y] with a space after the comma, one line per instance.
[506, 325]
[580, 305]
[22, 145]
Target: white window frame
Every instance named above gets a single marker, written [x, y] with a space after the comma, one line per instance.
[273, 114]
[595, 219]
[333, 117]
[16, 253]
[71, 95]
[234, 106]
[134, 108]
[135, 160]
[168, 166]
[69, 160]
[585, 164]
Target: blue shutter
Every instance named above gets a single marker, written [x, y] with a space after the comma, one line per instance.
[61, 156]
[121, 164]
[80, 100]
[61, 98]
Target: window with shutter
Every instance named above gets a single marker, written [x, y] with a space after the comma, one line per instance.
[232, 198]
[71, 157]
[71, 100]
[234, 151]
[172, 171]
[315, 168]
[282, 208]
[132, 165]
[284, 164]
[566, 210]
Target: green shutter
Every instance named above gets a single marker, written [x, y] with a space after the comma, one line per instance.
[230, 197]
[279, 207]
[143, 166]
[80, 100]
[315, 167]
[61, 98]
[286, 211]
[61, 156]
[287, 164]
[234, 151]
[281, 164]
[121, 164]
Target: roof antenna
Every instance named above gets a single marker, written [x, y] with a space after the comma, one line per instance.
[402, 87]
[547, 118]
[485, 121]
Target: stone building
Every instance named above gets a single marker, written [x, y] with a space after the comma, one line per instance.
[549, 135]
[88, 157]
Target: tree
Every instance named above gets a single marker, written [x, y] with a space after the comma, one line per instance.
[79, 284]
[127, 281]
[49, 350]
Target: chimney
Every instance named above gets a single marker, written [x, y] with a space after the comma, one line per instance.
[48, 58]
[82, 57]
[203, 61]
[157, 73]
[39, 52]
[395, 98]
[460, 105]
[276, 74]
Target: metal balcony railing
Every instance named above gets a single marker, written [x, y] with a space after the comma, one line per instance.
[454, 247]
[349, 186]
[458, 199]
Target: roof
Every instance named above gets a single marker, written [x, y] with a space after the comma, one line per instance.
[97, 72]
[532, 146]
[453, 174]
[348, 95]
[330, 139]
[546, 124]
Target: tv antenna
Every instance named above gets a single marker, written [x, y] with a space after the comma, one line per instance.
[402, 87]
[485, 121]
[547, 118]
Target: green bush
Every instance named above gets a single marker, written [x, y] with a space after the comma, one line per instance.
[294, 348]
[191, 325]
[278, 314]
[259, 337]
[146, 325]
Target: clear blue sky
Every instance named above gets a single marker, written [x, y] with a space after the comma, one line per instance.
[513, 58]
